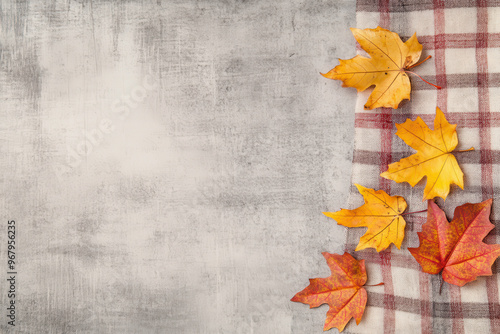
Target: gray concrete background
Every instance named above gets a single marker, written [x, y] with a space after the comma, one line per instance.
[167, 162]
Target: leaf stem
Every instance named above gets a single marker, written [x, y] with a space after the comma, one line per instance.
[410, 213]
[438, 87]
[442, 281]
[461, 151]
[382, 283]
[423, 61]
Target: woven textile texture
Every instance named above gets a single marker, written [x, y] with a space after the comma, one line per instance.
[463, 38]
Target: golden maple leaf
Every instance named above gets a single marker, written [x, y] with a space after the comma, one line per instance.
[390, 57]
[434, 158]
[381, 213]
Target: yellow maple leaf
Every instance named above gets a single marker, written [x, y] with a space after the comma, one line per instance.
[381, 213]
[434, 158]
[390, 57]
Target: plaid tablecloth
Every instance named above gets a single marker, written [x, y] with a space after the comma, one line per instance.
[463, 38]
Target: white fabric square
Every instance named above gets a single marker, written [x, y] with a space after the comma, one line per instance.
[370, 323]
[475, 293]
[374, 273]
[408, 322]
[405, 282]
[367, 20]
[467, 138]
[366, 175]
[477, 325]
[493, 21]
[463, 100]
[493, 57]
[460, 20]
[460, 61]
[424, 101]
[494, 99]
[496, 181]
[495, 138]
[368, 140]
[472, 175]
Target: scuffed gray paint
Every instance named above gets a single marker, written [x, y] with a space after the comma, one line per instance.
[197, 207]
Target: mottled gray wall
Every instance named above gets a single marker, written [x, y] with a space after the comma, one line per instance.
[167, 162]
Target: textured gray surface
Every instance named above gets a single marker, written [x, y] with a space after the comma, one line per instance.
[167, 163]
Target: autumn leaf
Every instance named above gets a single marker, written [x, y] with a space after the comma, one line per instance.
[456, 249]
[381, 213]
[434, 158]
[343, 291]
[386, 69]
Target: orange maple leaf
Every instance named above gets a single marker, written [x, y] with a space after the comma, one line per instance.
[456, 249]
[386, 69]
[434, 158]
[381, 213]
[343, 291]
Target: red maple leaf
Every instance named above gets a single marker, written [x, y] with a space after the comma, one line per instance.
[343, 291]
[456, 249]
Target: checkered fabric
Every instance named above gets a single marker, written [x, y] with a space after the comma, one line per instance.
[463, 38]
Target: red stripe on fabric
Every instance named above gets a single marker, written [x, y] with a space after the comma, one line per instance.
[424, 285]
[440, 64]
[439, 310]
[389, 302]
[457, 314]
[386, 147]
[404, 6]
[468, 120]
[439, 56]
[385, 17]
[425, 309]
[386, 125]
[485, 141]
[385, 256]
[458, 41]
